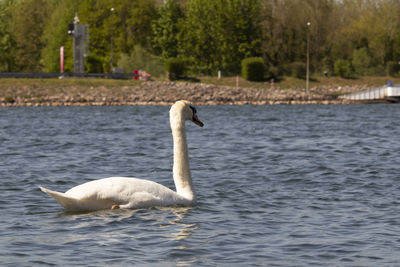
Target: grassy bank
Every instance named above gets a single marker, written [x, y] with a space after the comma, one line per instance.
[6, 83]
[291, 82]
[283, 83]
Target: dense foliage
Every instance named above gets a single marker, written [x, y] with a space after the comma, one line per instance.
[175, 68]
[342, 68]
[393, 69]
[253, 69]
[361, 36]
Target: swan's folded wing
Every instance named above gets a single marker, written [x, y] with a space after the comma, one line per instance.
[142, 200]
[74, 204]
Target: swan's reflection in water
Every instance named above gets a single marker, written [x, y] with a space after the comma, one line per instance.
[165, 217]
[184, 229]
[163, 229]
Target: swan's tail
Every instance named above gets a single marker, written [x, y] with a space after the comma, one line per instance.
[69, 203]
[74, 204]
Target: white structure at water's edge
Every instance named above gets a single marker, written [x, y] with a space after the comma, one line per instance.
[388, 92]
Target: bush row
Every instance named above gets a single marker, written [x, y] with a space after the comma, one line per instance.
[253, 69]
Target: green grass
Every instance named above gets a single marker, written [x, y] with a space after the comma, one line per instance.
[8, 84]
[90, 82]
[291, 82]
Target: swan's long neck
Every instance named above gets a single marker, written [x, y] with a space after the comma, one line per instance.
[181, 170]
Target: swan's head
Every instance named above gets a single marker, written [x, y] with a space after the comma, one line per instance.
[182, 111]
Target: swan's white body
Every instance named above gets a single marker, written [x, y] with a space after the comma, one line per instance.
[123, 192]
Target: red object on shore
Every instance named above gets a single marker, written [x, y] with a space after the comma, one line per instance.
[136, 72]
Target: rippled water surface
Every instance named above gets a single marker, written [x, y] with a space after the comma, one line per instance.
[277, 186]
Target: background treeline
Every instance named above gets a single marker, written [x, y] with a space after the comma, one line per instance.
[347, 37]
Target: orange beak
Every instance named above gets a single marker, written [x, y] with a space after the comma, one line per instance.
[197, 121]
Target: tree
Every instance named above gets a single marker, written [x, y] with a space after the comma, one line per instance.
[117, 26]
[361, 61]
[28, 19]
[239, 32]
[213, 34]
[7, 44]
[166, 30]
[55, 35]
[198, 34]
[284, 31]
[343, 68]
[373, 25]
[139, 21]
[220, 33]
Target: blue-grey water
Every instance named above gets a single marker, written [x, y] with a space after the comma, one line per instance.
[277, 186]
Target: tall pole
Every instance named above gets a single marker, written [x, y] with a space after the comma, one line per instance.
[111, 39]
[62, 59]
[308, 59]
[75, 43]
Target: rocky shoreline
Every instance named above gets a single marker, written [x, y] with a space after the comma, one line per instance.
[166, 93]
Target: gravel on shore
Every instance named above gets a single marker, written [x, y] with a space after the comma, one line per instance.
[166, 93]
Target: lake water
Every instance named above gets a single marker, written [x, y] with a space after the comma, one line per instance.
[277, 186]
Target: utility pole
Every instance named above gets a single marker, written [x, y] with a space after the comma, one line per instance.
[111, 40]
[308, 59]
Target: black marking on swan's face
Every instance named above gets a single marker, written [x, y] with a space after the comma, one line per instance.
[193, 110]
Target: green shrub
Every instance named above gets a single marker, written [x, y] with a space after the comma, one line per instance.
[253, 69]
[342, 68]
[298, 69]
[94, 64]
[175, 67]
[393, 68]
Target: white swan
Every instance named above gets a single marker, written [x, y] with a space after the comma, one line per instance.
[123, 192]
